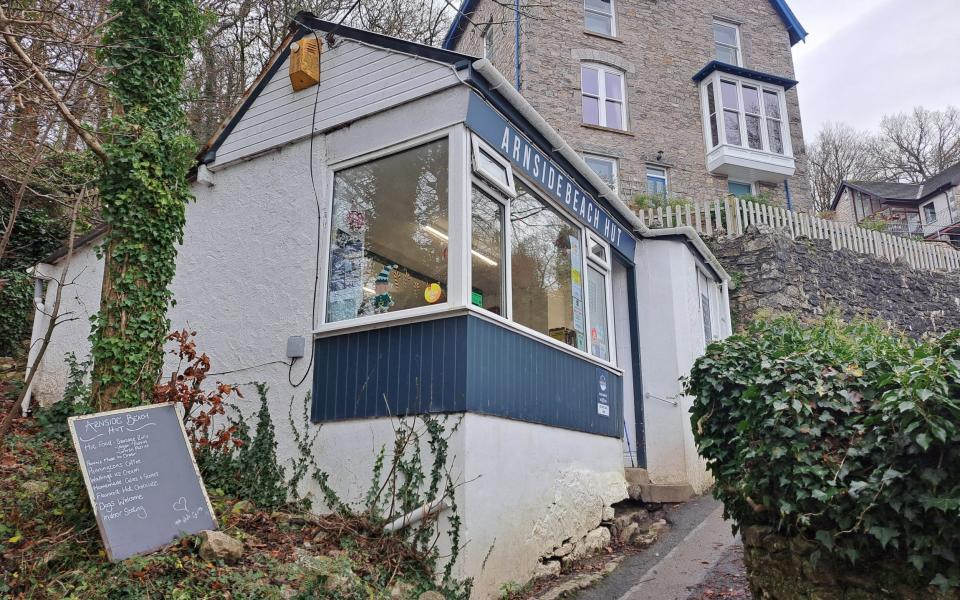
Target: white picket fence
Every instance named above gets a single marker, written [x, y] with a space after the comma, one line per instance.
[733, 215]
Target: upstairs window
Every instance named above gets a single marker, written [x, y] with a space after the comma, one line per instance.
[602, 96]
[657, 181]
[598, 16]
[745, 113]
[929, 213]
[605, 168]
[488, 40]
[726, 39]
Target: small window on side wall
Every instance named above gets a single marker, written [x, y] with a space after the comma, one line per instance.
[598, 16]
[657, 181]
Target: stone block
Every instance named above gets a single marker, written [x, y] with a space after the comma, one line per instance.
[663, 493]
[216, 545]
[636, 476]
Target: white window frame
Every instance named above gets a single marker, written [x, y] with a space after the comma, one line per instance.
[737, 49]
[753, 186]
[612, 16]
[664, 177]
[704, 279]
[716, 78]
[479, 146]
[487, 37]
[458, 250]
[585, 236]
[602, 70]
[923, 211]
[607, 159]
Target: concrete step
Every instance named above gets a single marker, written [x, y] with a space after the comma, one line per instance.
[661, 493]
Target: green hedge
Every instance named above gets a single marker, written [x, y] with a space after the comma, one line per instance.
[847, 435]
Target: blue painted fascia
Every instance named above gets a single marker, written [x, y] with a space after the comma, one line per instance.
[716, 65]
[794, 28]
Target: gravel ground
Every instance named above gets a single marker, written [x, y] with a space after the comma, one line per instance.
[727, 580]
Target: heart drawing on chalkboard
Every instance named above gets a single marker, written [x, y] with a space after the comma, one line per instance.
[180, 504]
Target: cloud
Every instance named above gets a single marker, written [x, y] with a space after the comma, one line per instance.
[874, 59]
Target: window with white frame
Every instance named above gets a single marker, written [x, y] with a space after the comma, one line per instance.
[726, 40]
[389, 234]
[740, 190]
[602, 96]
[746, 114]
[488, 39]
[533, 265]
[598, 16]
[605, 167]
[656, 181]
[929, 213]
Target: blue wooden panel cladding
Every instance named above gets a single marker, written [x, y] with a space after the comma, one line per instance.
[460, 364]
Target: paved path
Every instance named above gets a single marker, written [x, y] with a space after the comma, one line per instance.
[678, 562]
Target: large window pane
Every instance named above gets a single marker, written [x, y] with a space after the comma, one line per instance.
[589, 81]
[486, 253]
[751, 100]
[614, 115]
[591, 110]
[726, 54]
[754, 139]
[388, 238]
[731, 124]
[728, 95]
[598, 23]
[725, 34]
[612, 87]
[599, 336]
[774, 133]
[771, 101]
[546, 276]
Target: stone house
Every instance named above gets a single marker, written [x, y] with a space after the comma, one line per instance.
[930, 209]
[691, 99]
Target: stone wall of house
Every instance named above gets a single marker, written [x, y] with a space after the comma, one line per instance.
[774, 273]
[659, 46]
[781, 568]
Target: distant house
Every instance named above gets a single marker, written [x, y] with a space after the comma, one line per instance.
[930, 209]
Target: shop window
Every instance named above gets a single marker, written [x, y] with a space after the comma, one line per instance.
[598, 16]
[598, 298]
[388, 235]
[486, 252]
[546, 265]
[602, 97]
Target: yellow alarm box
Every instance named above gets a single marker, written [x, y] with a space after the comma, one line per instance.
[304, 63]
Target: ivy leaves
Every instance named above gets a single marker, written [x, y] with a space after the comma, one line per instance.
[844, 434]
[143, 191]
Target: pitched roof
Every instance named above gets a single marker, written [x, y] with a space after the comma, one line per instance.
[459, 25]
[904, 192]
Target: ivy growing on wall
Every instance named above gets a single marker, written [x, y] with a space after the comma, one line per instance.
[143, 191]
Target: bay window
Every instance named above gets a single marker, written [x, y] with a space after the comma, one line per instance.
[751, 115]
[602, 97]
[388, 234]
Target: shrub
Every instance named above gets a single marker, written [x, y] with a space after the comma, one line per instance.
[645, 201]
[846, 435]
[76, 401]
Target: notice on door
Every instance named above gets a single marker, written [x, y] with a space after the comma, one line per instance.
[141, 477]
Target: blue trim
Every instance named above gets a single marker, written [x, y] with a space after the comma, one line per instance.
[716, 65]
[461, 363]
[794, 28]
[786, 189]
[640, 427]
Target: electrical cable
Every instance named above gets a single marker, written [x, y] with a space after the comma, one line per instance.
[316, 274]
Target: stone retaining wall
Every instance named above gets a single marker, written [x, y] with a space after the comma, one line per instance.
[781, 568]
[774, 273]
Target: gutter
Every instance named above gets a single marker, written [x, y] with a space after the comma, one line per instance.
[505, 89]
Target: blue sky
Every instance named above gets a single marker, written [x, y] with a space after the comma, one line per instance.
[867, 58]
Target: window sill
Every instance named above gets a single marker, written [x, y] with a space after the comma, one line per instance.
[603, 36]
[608, 129]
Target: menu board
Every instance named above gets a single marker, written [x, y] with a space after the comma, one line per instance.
[141, 477]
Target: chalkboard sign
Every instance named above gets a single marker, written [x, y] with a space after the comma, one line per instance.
[141, 477]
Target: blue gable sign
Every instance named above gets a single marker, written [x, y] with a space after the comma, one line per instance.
[548, 176]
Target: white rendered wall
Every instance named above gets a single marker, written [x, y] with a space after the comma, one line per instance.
[671, 339]
[528, 488]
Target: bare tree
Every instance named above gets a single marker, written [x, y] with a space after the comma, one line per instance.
[838, 153]
[912, 147]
